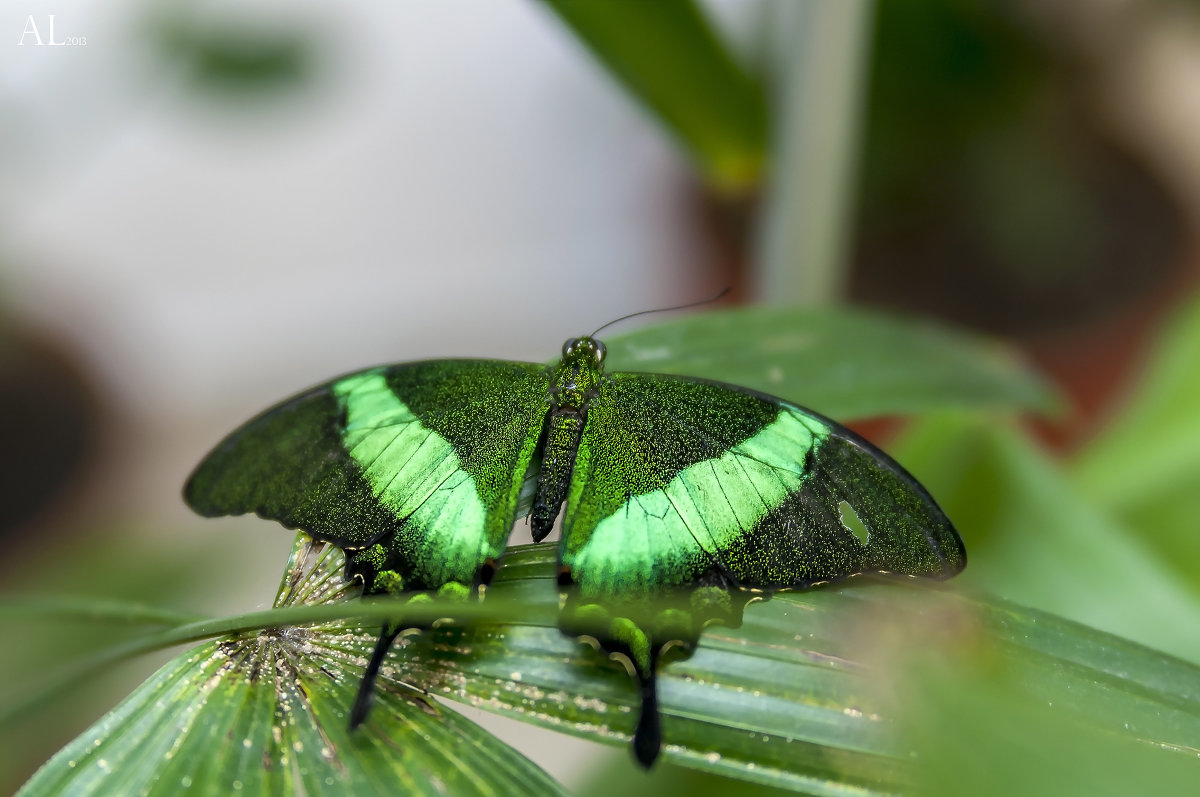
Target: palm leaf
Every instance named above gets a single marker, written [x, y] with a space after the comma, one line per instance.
[824, 692]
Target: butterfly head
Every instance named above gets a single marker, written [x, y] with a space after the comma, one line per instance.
[586, 351]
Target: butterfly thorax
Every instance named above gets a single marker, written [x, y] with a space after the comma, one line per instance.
[576, 381]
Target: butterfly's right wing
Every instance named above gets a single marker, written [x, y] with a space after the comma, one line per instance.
[682, 481]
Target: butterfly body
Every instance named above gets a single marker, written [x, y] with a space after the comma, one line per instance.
[671, 491]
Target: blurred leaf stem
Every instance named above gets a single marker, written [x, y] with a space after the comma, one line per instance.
[84, 609]
[822, 52]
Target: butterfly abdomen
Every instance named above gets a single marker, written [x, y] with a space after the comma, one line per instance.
[563, 430]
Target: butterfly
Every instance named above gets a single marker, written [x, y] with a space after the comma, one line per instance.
[679, 497]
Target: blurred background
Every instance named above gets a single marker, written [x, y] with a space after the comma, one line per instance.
[208, 206]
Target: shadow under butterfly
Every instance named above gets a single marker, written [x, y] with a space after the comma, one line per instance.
[680, 497]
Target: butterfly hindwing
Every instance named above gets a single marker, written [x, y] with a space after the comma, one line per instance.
[424, 459]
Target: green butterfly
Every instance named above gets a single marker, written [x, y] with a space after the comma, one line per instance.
[681, 495]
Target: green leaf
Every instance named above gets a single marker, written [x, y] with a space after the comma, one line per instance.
[266, 713]
[1025, 703]
[829, 691]
[668, 56]
[843, 363]
[668, 780]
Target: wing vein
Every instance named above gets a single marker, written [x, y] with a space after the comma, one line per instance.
[712, 556]
[400, 469]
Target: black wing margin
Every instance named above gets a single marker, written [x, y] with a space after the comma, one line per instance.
[288, 464]
[812, 536]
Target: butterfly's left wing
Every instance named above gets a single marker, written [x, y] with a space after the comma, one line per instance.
[414, 467]
[684, 483]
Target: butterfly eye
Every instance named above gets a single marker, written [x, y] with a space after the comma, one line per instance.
[598, 351]
[569, 346]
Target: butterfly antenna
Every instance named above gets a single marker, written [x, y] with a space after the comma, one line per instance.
[709, 300]
[366, 687]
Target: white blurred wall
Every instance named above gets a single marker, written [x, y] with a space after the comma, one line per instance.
[461, 180]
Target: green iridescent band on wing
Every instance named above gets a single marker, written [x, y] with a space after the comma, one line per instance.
[748, 493]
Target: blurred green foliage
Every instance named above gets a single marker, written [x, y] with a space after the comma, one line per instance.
[842, 362]
[994, 723]
[1033, 539]
[1144, 469]
[667, 54]
[826, 692]
[230, 55]
[121, 562]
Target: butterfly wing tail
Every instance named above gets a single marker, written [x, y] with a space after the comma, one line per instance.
[647, 738]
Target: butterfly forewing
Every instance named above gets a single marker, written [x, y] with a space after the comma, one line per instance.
[425, 459]
[680, 482]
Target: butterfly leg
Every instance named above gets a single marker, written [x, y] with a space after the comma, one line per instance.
[366, 687]
[370, 567]
[452, 591]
